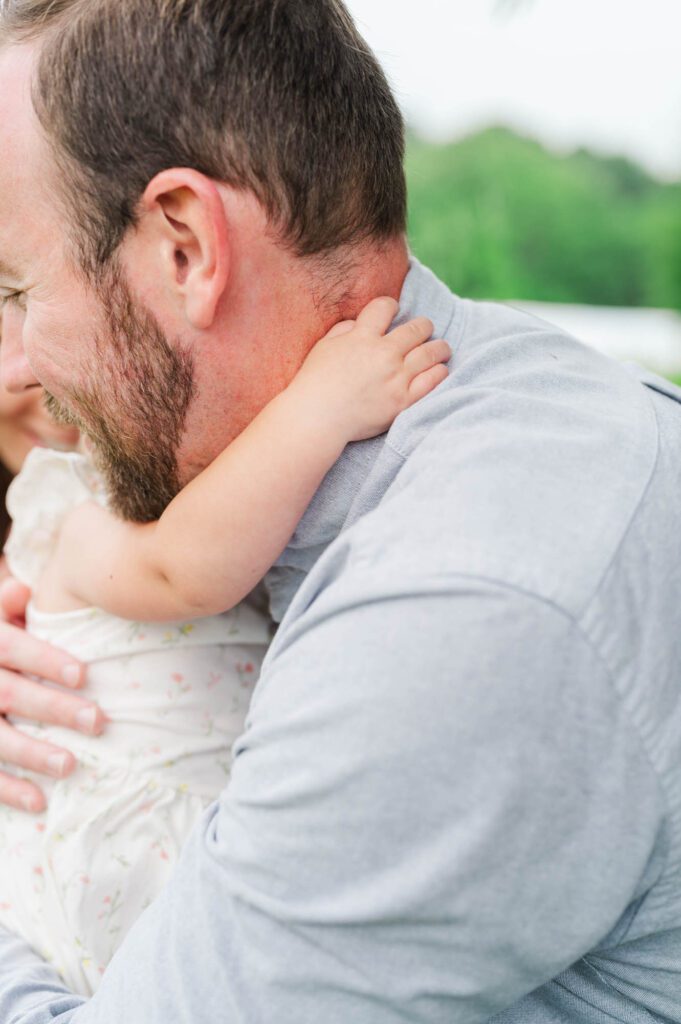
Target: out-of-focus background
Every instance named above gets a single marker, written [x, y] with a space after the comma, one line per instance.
[544, 158]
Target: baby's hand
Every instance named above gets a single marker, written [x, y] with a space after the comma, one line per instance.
[362, 378]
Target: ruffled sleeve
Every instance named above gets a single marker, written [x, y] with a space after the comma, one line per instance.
[50, 484]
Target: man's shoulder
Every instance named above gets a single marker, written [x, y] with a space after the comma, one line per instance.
[527, 466]
[502, 353]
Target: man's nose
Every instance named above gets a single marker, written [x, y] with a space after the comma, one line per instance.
[15, 372]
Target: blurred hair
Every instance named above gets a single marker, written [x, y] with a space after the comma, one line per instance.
[6, 477]
[280, 97]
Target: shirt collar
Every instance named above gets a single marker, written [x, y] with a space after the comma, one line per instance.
[422, 295]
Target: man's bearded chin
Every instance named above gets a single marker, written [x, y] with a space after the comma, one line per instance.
[134, 410]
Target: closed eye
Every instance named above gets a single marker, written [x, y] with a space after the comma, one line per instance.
[9, 298]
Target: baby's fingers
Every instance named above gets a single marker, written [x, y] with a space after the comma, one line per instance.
[344, 327]
[412, 334]
[424, 383]
[428, 354]
[378, 315]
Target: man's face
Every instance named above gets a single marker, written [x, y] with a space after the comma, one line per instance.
[133, 411]
[102, 357]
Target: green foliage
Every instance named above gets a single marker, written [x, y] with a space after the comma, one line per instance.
[499, 216]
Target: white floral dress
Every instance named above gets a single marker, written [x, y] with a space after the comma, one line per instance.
[75, 878]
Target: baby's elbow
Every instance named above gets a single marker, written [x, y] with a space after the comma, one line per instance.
[190, 600]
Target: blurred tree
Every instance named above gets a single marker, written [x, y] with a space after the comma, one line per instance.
[497, 215]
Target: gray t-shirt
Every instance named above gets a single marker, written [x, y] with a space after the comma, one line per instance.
[458, 795]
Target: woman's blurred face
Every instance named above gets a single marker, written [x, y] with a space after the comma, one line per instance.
[24, 423]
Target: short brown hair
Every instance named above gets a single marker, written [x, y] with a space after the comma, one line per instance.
[281, 97]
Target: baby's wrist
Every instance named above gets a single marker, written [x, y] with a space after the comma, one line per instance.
[325, 418]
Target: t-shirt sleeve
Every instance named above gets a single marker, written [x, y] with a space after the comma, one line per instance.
[438, 805]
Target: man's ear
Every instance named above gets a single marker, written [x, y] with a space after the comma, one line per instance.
[188, 221]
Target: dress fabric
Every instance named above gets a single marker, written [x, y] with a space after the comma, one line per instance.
[75, 878]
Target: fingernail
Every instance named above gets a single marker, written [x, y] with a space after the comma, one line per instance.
[56, 764]
[29, 803]
[71, 675]
[86, 719]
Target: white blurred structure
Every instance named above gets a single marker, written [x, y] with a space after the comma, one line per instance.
[651, 337]
[596, 73]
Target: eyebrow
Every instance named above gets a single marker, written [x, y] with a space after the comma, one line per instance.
[7, 270]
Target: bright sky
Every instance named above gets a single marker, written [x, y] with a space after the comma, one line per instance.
[603, 73]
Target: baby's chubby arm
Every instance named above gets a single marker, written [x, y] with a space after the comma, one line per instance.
[225, 529]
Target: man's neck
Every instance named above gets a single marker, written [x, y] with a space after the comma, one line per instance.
[302, 298]
[357, 481]
[277, 308]
[343, 288]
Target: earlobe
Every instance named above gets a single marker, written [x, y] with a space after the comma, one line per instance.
[190, 221]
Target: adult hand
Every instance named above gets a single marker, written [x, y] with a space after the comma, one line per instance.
[22, 653]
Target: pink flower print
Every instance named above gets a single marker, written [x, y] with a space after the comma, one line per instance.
[213, 680]
[158, 845]
[245, 672]
[40, 827]
[85, 880]
[178, 679]
[5, 906]
[38, 871]
[111, 907]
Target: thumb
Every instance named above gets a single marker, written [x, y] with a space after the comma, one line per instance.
[14, 596]
[342, 328]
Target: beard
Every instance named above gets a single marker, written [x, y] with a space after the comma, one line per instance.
[133, 409]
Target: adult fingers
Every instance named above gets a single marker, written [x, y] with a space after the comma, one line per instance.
[424, 383]
[38, 756]
[379, 314]
[40, 703]
[430, 353]
[21, 793]
[25, 653]
[14, 597]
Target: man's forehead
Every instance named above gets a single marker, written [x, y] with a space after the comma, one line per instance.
[16, 74]
[16, 117]
[22, 142]
[23, 164]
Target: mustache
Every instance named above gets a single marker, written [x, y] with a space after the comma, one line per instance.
[61, 413]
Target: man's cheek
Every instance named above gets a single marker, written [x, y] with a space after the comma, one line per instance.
[55, 364]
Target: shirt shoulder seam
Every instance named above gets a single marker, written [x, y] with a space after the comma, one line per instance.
[588, 642]
[574, 623]
[459, 304]
[634, 513]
